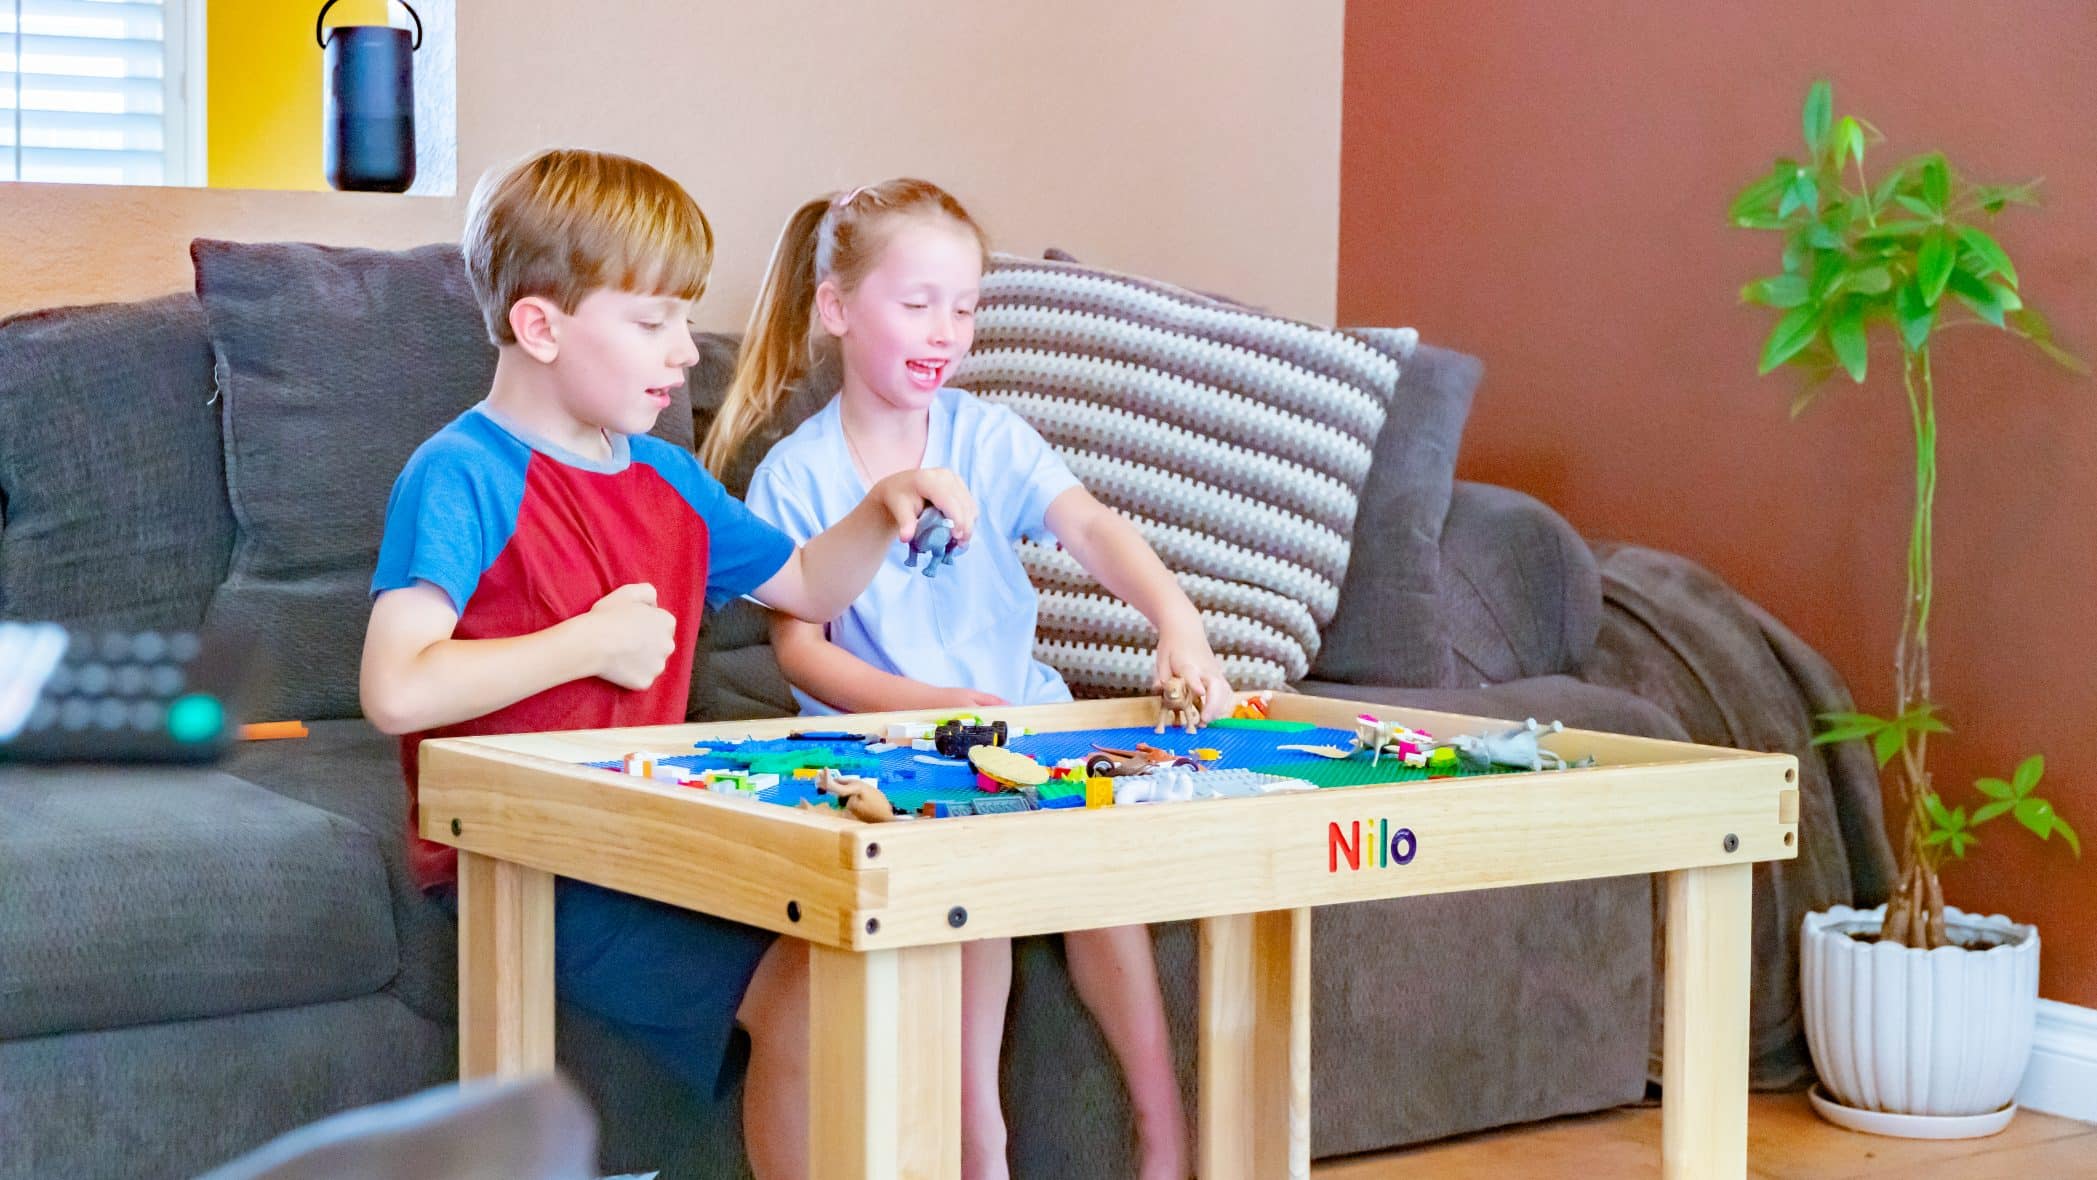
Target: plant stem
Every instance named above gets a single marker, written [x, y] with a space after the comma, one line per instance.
[1918, 917]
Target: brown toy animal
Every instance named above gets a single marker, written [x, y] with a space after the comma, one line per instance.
[861, 797]
[1178, 706]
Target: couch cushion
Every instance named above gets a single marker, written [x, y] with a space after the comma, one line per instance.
[130, 896]
[1389, 628]
[335, 364]
[1236, 442]
[112, 492]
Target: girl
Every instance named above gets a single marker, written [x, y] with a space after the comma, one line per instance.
[889, 274]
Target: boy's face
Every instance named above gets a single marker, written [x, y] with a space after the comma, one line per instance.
[913, 315]
[620, 356]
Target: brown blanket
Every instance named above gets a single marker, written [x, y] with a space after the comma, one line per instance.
[1676, 635]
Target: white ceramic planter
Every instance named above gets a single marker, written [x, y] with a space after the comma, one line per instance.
[1945, 1032]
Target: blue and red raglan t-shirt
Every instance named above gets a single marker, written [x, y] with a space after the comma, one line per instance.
[522, 534]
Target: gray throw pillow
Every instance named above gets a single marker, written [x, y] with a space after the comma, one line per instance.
[112, 495]
[334, 365]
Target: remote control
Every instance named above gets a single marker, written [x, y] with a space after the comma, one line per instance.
[114, 696]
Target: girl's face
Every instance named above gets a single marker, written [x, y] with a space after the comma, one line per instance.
[912, 316]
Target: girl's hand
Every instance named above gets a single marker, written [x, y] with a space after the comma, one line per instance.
[1188, 656]
[958, 698]
[906, 493]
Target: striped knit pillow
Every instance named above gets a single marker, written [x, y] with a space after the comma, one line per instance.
[1236, 442]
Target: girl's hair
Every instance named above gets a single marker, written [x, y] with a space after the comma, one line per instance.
[840, 236]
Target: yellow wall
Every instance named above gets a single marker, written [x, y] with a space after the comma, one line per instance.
[1196, 142]
[262, 114]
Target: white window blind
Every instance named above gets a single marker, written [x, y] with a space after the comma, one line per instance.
[92, 92]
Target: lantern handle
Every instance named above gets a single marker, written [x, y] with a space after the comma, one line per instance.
[320, 35]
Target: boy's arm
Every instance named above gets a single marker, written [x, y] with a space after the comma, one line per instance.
[849, 684]
[1112, 551]
[415, 676]
[823, 577]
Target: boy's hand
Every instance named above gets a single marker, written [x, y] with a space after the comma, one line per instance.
[905, 494]
[634, 636]
[1188, 656]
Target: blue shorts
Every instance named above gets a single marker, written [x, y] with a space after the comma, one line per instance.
[670, 979]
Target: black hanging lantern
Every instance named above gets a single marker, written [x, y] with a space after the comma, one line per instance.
[368, 115]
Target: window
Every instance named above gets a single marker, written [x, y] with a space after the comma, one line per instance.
[97, 91]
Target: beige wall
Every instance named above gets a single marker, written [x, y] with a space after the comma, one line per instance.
[1195, 141]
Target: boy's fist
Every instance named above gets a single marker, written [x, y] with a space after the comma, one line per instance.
[905, 494]
[633, 636]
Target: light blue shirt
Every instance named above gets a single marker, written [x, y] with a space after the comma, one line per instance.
[972, 624]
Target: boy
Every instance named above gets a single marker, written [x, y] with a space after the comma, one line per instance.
[545, 564]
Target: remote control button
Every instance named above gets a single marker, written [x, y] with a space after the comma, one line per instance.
[182, 647]
[148, 646]
[92, 679]
[75, 714]
[146, 717]
[196, 718]
[111, 714]
[167, 680]
[130, 680]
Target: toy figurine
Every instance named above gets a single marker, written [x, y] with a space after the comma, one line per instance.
[1111, 763]
[1388, 737]
[862, 799]
[935, 539]
[1178, 706]
[1516, 749]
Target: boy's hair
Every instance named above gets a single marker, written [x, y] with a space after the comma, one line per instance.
[567, 222]
[840, 235]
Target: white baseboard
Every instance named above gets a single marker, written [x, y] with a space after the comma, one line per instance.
[2062, 1077]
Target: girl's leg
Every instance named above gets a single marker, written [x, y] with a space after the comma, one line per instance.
[775, 1091]
[1117, 977]
[986, 987]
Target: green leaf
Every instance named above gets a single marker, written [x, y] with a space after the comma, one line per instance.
[1979, 296]
[1778, 291]
[1906, 227]
[1755, 201]
[2006, 297]
[1917, 205]
[1793, 332]
[2036, 814]
[1871, 280]
[1802, 193]
[1849, 140]
[1933, 265]
[1844, 727]
[1989, 811]
[1989, 251]
[1887, 743]
[1916, 316]
[1936, 183]
[1819, 112]
[1960, 841]
[1935, 807]
[2027, 775]
[1887, 187]
[1823, 237]
[2067, 833]
[1993, 788]
[1940, 836]
[1846, 335]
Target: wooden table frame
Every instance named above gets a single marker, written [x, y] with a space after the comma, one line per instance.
[887, 905]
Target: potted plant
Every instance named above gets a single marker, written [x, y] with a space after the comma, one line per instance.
[1919, 1015]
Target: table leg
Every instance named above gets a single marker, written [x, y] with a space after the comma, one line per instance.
[505, 968]
[1255, 1116]
[885, 1063]
[1704, 1064]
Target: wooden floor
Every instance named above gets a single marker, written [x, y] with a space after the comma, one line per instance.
[1785, 1139]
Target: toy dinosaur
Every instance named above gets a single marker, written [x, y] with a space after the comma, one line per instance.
[935, 539]
[1518, 749]
[1179, 706]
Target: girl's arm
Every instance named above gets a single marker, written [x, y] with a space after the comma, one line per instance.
[1112, 551]
[847, 683]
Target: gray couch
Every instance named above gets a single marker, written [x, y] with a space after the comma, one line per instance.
[192, 961]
